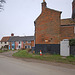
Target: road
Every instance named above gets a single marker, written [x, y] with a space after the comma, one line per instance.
[12, 66]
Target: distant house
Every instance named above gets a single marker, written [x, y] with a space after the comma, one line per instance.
[28, 42]
[17, 42]
[4, 42]
[14, 42]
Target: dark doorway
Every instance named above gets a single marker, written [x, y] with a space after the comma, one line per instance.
[25, 47]
[48, 48]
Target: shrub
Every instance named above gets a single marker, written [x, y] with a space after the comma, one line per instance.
[29, 50]
[72, 42]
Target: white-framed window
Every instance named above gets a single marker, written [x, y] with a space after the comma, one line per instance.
[28, 41]
[19, 47]
[19, 42]
[24, 42]
[74, 29]
[29, 47]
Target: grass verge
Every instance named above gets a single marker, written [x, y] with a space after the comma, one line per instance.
[1, 51]
[51, 58]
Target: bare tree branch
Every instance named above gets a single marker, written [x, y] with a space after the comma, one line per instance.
[1, 4]
[2, 1]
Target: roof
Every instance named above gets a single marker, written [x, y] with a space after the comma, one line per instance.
[54, 10]
[18, 38]
[5, 39]
[27, 38]
[46, 10]
[13, 38]
[68, 21]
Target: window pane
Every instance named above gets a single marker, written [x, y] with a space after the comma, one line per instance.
[19, 42]
[29, 41]
[5, 42]
[19, 46]
[25, 47]
[29, 46]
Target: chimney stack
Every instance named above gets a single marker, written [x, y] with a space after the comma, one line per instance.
[44, 5]
[12, 34]
[73, 10]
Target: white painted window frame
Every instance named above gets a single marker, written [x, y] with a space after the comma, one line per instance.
[30, 46]
[28, 41]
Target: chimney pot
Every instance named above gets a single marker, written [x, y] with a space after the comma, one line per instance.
[12, 34]
[44, 6]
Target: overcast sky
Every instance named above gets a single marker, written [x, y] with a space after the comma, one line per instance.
[18, 16]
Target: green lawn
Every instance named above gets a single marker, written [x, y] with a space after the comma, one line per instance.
[51, 58]
[1, 51]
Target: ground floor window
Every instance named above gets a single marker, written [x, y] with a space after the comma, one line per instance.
[19, 46]
[29, 46]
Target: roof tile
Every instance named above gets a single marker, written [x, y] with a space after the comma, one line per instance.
[67, 22]
[5, 39]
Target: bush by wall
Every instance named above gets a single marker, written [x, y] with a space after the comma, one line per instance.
[72, 42]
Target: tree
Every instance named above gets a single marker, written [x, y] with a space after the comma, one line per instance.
[1, 4]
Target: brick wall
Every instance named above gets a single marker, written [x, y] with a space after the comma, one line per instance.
[67, 32]
[47, 27]
[30, 44]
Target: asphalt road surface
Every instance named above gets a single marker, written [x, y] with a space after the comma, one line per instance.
[12, 66]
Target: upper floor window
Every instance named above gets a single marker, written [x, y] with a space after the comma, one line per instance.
[13, 42]
[1, 42]
[19, 42]
[24, 42]
[28, 41]
[5, 42]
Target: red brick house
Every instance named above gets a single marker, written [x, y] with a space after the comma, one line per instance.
[50, 29]
[24, 42]
[68, 25]
[67, 29]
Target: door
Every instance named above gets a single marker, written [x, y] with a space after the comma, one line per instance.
[64, 48]
[48, 49]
